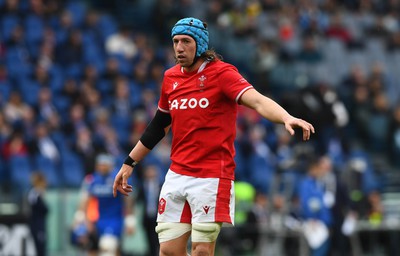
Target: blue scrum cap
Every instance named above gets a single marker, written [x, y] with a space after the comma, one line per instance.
[195, 28]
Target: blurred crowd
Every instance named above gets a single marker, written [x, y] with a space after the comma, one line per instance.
[79, 78]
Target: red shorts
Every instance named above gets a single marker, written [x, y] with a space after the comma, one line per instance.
[189, 199]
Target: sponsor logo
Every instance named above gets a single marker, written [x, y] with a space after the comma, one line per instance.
[161, 206]
[206, 208]
[174, 85]
[189, 103]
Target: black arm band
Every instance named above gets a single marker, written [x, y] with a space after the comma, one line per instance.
[155, 130]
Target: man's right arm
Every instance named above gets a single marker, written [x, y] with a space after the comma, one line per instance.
[154, 132]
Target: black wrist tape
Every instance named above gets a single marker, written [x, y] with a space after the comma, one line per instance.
[129, 161]
[155, 130]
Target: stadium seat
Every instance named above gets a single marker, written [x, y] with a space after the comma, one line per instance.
[78, 12]
[29, 90]
[49, 169]
[17, 62]
[34, 29]
[107, 26]
[8, 23]
[72, 171]
[20, 170]
[135, 93]
[5, 90]
[261, 173]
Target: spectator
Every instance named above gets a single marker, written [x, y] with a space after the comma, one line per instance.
[394, 139]
[44, 145]
[5, 129]
[314, 212]
[64, 27]
[76, 120]
[265, 60]
[112, 71]
[5, 85]
[71, 51]
[336, 198]
[44, 108]
[309, 52]
[379, 117]
[15, 108]
[121, 43]
[257, 222]
[15, 145]
[86, 148]
[337, 30]
[38, 212]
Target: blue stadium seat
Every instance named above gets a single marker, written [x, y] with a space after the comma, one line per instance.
[17, 62]
[240, 171]
[261, 173]
[135, 93]
[34, 29]
[49, 169]
[71, 169]
[107, 26]
[78, 12]
[8, 23]
[29, 90]
[20, 170]
[74, 70]
[5, 90]
[57, 78]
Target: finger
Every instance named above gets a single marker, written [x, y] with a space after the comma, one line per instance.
[311, 128]
[306, 134]
[115, 185]
[122, 191]
[128, 188]
[307, 129]
[124, 181]
[290, 129]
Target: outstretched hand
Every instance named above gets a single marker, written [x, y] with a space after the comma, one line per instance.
[293, 122]
[121, 181]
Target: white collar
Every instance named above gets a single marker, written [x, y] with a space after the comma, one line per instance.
[201, 68]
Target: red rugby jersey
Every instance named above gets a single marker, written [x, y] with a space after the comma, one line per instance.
[203, 108]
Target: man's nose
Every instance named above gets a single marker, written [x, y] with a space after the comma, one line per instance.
[179, 47]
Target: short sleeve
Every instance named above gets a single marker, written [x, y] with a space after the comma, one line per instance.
[163, 101]
[232, 83]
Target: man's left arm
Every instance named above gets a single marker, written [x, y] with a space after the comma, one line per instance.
[272, 111]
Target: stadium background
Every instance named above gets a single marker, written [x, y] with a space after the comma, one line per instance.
[85, 75]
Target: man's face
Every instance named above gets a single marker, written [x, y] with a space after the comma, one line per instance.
[185, 49]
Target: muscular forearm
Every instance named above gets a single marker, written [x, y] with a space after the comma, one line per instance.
[265, 106]
[272, 111]
[139, 152]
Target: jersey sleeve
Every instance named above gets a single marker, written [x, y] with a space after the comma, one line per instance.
[232, 83]
[163, 101]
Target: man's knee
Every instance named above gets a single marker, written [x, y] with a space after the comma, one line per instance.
[205, 232]
[169, 231]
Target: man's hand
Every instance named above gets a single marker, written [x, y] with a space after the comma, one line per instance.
[293, 122]
[121, 181]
